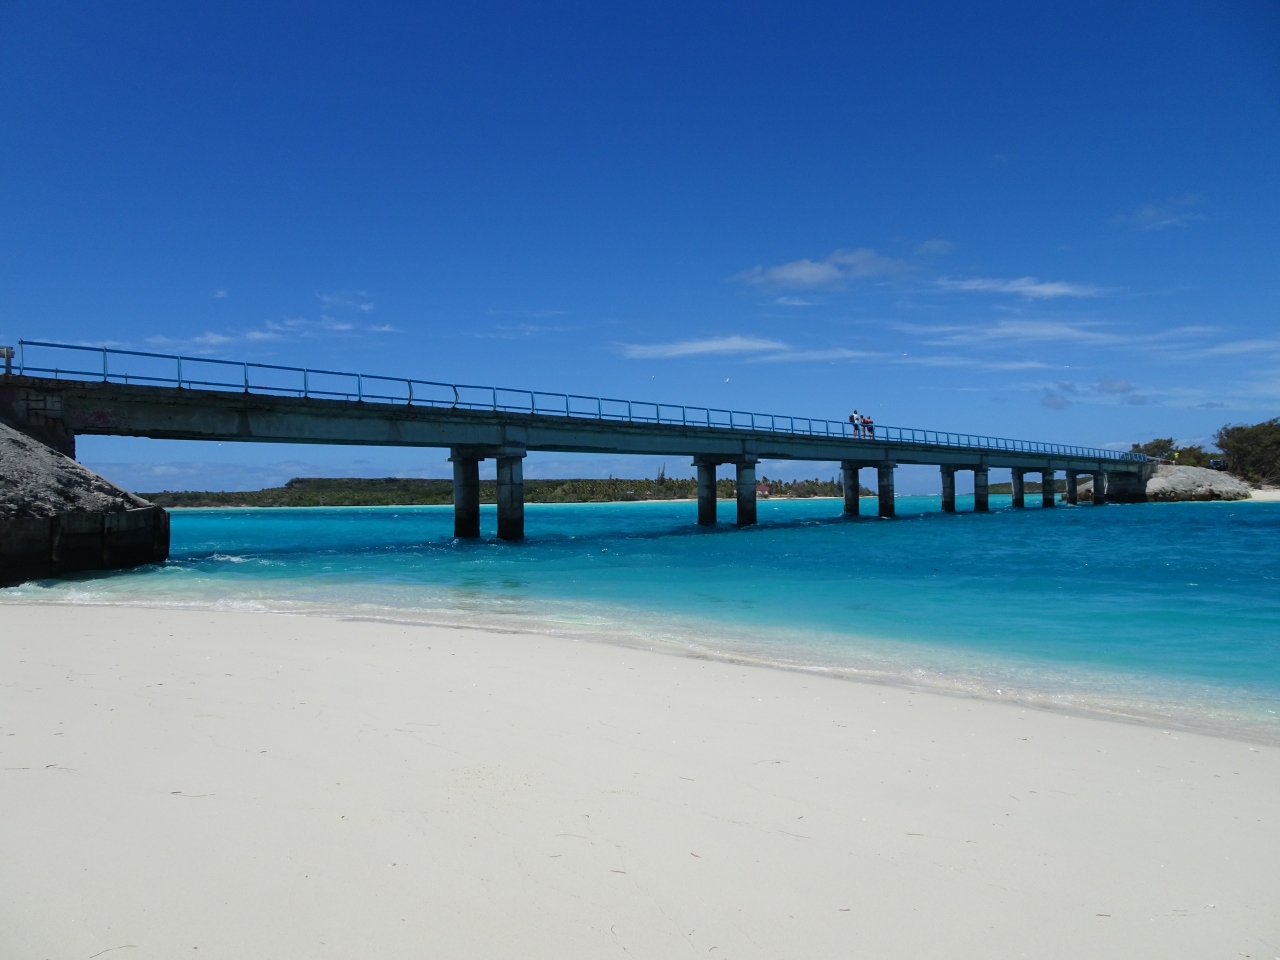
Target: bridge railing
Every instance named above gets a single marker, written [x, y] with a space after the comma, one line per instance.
[115, 365]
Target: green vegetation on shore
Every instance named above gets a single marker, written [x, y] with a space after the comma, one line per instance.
[1252, 452]
[1166, 449]
[394, 491]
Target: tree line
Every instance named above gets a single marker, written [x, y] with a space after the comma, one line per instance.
[1251, 452]
[396, 491]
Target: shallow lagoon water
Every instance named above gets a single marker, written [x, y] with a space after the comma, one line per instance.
[1164, 612]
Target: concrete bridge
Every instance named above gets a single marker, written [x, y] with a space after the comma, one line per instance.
[55, 392]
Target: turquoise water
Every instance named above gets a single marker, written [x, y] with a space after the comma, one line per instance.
[1164, 612]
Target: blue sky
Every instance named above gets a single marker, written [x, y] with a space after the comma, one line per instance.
[1053, 223]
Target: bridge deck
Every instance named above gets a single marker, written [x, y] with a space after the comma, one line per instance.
[174, 413]
[207, 399]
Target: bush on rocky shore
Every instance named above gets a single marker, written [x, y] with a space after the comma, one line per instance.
[1252, 452]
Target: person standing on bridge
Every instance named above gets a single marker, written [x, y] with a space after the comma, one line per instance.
[857, 424]
[868, 428]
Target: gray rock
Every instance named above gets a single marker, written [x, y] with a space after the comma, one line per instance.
[1195, 483]
[37, 481]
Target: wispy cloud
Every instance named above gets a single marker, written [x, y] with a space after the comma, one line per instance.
[1013, 331]
[832, 271]
[832, 353]
[1158, 216]
[938, 246]
[1052, 400]
[1115, 385]
[1232, 348]
[1022, 286]
[271, 331]
[946, 360]
[218, 294]
[795, 302]
[528, 314]
[759, 350]
[1064, 393]
[347, 300]
[521, 331]
[715, 346]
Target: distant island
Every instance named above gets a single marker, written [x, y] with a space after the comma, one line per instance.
[396, 491]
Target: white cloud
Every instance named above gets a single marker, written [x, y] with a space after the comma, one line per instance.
[1157, 216]
[1235, 347]
[835, 269]
[795, 302]
[833, 353]
[531, 314]
[935, 247]
[289, 328]
[1014, 331]
[716, 346]
[1022, 286]
[218, 294]
[347, 300]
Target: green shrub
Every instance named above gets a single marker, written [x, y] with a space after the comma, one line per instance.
[1252, 452]
[1165, 449]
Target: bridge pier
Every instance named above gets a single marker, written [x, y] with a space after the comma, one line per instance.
[746, 490]
[884, 487]
[511, 497]
[1019, 487]
[1099, 489]
[948, 488]
[849, 470]
[1072, 494]
[466, 494]
[981, 490]
[706, 492]
[1048, 495]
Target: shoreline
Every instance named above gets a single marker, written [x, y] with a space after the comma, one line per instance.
[312, 786]
[907, 674]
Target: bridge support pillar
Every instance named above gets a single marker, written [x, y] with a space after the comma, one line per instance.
[1072, 495]
[981, 490]
[511, 497]
[466, 496]
[706, 493]
[884, 487]
[1019, 487]
[746, 489]
[1099, 489]
[948, 489]
[849, 470]
[1048, 495]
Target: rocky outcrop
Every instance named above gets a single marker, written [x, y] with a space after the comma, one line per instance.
[1169, 483]
[1195, 483]
[38, 481]
[57, 516]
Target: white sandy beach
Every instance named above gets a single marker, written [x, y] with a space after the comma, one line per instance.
[258, 786]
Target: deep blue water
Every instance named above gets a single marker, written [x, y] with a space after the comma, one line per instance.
[1164, 611]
